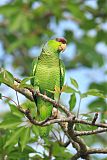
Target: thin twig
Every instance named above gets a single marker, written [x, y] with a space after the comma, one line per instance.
[79, 107]
[17, 98]
[9, 99]
[55, 135]
[95, 118]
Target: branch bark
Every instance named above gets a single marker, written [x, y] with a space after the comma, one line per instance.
[96, 131]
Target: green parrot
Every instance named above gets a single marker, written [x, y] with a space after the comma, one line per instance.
[48, 72]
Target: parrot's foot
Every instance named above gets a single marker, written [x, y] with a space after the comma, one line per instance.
[55, 113]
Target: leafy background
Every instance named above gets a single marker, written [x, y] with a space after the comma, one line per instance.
[24, 27]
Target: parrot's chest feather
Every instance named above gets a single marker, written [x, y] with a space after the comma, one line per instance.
[48, 74]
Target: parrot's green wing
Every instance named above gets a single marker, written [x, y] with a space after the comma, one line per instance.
[41, 105]
[62, 73]
[34, 66]
[61, 78]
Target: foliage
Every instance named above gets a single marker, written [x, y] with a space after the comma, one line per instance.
[26, 25]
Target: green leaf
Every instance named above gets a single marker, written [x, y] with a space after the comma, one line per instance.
[35, 130]
[83, 95]
[98, 105]
[15, 111]
[29, 149]
[30, 105]
[82, 127]
[100, 86]
[8, 10]
[15, 153]
[60, 152]
[17, 43]
[25, 137]
[9, 125]
[6, 77]
[74, 83]
[18, 155]
[72, 101]
[16, 23]
[26, 79]
[95, 92]
[14, 137]
[68, 89]
[24, 84]
[10, 121]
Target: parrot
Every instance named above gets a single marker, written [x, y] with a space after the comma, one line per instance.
[48, 72]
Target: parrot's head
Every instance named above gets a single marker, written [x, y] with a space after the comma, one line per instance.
[61, 44]
[56, 45]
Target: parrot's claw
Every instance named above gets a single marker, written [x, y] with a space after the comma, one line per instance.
[55, 113]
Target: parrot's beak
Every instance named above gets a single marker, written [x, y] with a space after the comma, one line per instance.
[62, 47]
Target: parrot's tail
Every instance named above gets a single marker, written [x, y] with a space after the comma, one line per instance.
[44, 131]
[44, 111]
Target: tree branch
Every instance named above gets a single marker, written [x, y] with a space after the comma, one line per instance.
[76, 156]
[82, 146]
[77, 120]
[28, 93]
[82, 133]
[97, 150]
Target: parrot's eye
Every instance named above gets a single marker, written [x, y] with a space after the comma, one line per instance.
[63, 40]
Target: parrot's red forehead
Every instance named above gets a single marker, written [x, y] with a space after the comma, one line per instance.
[63, 40]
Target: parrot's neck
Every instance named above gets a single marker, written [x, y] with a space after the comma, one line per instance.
[48, 57]
[50, 52]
